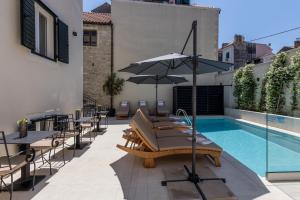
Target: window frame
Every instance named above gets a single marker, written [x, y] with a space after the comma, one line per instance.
[90, 31]
[45, 37]
[54, 16]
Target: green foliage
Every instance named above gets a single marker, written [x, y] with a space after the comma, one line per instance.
[294, 102]
[279, 77]
[237, 86]
[295, 87]
[244, 87]
[262, 102]
[113, 85]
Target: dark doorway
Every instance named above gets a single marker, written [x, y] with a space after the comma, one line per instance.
[210, 99]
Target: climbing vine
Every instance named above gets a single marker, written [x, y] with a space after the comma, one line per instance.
[244, 87]
[278, 78]
[295, 87]
[237, 86]
[262, 101]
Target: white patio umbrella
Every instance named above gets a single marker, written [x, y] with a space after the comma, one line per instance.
[178, 64]
[157, 80]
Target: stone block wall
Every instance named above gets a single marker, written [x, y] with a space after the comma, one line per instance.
[97, 63]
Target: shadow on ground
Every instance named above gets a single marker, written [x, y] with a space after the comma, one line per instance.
[137, 181]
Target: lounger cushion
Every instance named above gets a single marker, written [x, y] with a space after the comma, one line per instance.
[123, 111]
[171, 133]
[169, 143]
[146, 131]
[162, 110]
[168, 124]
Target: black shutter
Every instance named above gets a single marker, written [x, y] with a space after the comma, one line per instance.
[28, 24]
[63, 42]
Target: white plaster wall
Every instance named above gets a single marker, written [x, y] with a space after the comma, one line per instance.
[143, 30]
[29, 83]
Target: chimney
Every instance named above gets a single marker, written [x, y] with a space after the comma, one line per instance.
[238, 38]
[297, 43]
[224, 44]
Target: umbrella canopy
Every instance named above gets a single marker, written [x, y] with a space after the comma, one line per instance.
[175, 64]
[156, 79]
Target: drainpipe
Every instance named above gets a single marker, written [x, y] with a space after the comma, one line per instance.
[112, 59]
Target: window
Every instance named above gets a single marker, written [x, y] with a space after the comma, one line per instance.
[227, 56]
[43, 32]
[43, 35]
[89, 38]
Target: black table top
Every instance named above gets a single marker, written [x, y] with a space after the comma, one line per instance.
[32, 137]
[84, 120]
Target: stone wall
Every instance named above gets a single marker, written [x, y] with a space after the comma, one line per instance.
[97, 63]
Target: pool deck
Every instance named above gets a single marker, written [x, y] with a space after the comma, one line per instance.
[101, 171]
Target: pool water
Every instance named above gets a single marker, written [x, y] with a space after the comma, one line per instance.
[247, 143]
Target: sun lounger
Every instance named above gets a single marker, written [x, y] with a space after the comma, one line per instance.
[162, 109]
[143, 141]
[162, 124]
[123, 110]
[142, 104]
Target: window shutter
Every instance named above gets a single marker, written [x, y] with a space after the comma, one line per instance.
[28, 24]
[63, 42]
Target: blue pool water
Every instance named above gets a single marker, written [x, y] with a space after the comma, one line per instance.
[247, 143]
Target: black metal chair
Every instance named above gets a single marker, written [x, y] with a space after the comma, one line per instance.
[48, 145]
[10, 164]
[104, 110]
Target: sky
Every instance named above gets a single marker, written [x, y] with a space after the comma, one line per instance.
[251, 18]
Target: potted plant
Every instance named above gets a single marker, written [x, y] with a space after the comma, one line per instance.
[113, 86]
[22, 127]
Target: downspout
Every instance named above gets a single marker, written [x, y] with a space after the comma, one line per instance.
[112, 60]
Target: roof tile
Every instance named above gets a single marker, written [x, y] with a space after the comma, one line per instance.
[96, 18]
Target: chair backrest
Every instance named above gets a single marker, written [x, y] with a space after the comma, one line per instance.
[145, 131]
[142, 103]
[3, 140]
[124, 103]
[161, 103]
[147, 119]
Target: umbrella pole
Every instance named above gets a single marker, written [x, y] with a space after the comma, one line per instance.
[193, 176]
[156, 95]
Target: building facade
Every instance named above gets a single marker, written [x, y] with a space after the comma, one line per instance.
[41, 58]
[239, 52]
[144, 30]
[97, 54]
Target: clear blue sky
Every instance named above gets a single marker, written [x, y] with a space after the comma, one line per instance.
[251, 18]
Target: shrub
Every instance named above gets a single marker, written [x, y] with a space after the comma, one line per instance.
[244, 87]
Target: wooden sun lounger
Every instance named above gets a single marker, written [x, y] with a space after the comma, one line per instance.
[123, 111]
[161, 125]
[142, 141]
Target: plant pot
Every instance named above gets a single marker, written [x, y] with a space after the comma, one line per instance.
[111, 112]
[23, 130]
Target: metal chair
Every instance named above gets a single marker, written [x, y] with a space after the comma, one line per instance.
[10, 164]
[48, 145]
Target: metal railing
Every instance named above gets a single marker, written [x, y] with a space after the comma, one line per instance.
[186, 117]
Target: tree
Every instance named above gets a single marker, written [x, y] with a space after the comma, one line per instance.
[113, 86]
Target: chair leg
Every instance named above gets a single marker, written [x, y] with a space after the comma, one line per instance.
[50, 162]
[33, 179]
[1, 188]
[63, 151]
[11, 186]
[43, 159]
[74, 148]
[90, 133]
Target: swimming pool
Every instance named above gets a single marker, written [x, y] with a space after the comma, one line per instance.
[247, 143]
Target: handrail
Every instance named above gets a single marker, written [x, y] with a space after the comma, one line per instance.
[181, 111]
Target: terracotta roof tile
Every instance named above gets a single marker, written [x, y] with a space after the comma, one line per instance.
[96, 18]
